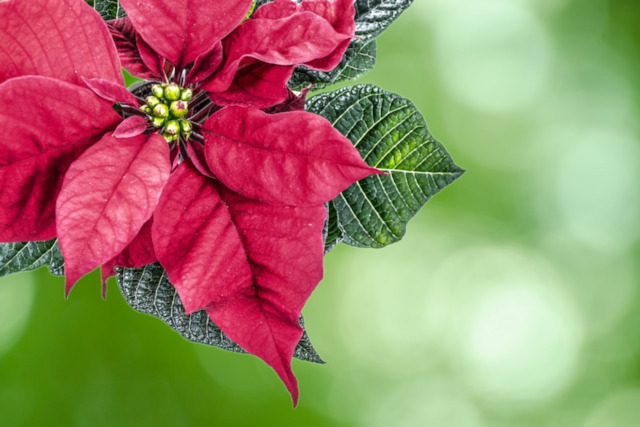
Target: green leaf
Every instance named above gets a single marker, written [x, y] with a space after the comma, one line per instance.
[24, 256]
[359, 58]
[374, 16]
[333, 235]
[392, 136]
[108, 9]
[148, 290]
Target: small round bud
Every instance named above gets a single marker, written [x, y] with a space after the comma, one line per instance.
[172, 127]
[157, 91]
[161, 110]
[185, 126]
[179, 108]
[158, 122]
[152, 101]
[146, 109]
[186, 95]
[172, 92]
[168, 137]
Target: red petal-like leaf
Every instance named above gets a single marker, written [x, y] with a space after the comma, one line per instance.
[124, 36]
[195, 150]
[191, 234]
[42, 37]
[294, 158]
[130, 127]
[182, 30]
[259, 85]
[292, 103]
[261, 331]
[205, 65]
[294, 40]
[108, 194]
[251, 265]
[150, 58]
[49, 124]
[285, 250]
[140, 251]
[339, 13]
[110, 91]
[138, 254]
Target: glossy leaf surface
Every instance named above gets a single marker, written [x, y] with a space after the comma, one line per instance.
[148, 290]
[392, 136]
[25, 256]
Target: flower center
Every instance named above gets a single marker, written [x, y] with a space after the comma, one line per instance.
[166, 108]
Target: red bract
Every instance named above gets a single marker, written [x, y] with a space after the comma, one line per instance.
[230, 199]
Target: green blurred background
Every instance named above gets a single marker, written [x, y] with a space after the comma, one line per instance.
[512, 301]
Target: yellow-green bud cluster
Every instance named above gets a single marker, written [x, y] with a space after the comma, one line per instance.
[166, 108]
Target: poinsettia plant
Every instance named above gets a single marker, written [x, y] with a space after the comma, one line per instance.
[213, 187]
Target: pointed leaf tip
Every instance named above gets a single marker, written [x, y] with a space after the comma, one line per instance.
[284, 248]
[147, 290]
[270, 337]
[130, 127]
[391, 135]
[110, 91]
[108, 194]
[259, 262]
[262, 156]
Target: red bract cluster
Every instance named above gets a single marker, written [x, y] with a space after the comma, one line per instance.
[233, 209]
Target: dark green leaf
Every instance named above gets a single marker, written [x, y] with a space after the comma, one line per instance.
[392, 136]
[24, 256]
[261, 2]
[149, 291]
[359, 58]
[374, 16]
[332, 235]
[109, 9]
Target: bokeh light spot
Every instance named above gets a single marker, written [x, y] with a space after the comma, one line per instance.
[516, 334]
[596, 202]
[16, 299]
[493, 56]
[424, 403]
